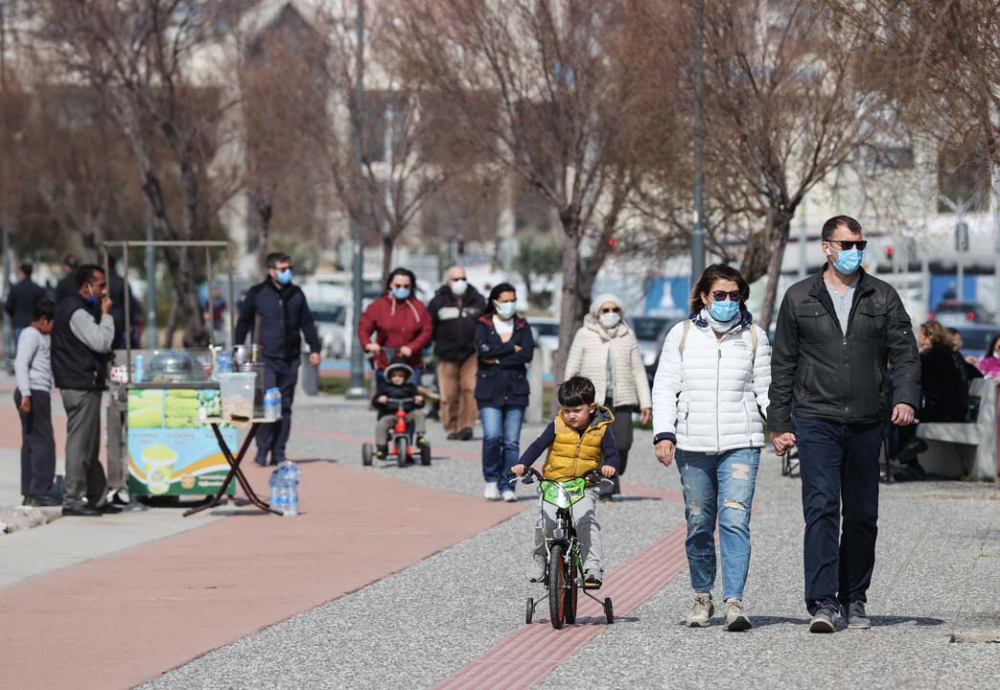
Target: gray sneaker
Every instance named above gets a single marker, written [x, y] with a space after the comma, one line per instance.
[857, 618]
[536, 571]
[737, 619]
[826, 620]
[702, 610]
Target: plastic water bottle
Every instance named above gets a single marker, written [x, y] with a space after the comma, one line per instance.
[273, 482]
[139, 368]
[281, 500]
[272, 404]
[289, 479]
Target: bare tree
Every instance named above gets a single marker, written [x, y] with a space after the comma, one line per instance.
[538, 89]
[139, 55]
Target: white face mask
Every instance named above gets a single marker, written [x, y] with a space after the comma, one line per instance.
[505, 310]
[458, 287]
[610, 319]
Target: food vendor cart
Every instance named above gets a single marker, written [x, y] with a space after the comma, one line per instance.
[157, 444]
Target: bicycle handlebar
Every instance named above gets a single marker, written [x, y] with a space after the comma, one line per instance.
[532, 475]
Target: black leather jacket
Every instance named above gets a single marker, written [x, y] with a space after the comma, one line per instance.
[819, 373]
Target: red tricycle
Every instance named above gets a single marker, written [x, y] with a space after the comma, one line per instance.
[400, 440]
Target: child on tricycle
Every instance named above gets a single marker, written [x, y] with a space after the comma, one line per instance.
[579, 442]
[396, 392]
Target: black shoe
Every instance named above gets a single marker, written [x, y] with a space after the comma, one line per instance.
[261, 459]
[465, 434]
[109, 509]
[826, 620]
[455, 436]
[80, 511]
[857, 617]
[42, 500]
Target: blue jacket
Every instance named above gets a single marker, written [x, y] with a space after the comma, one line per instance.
[284, 313]
[505, 382]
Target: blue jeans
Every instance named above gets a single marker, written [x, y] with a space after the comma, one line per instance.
[719, 485]
[501, 443]
[840, 474]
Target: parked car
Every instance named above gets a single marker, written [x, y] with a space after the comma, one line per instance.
[334, 330]
[955, 314]
[651, 331]
[546, 331]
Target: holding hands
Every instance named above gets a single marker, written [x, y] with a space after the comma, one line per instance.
[665, 452]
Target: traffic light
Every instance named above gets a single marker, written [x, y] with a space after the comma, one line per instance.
[889, 252]
[612, 242]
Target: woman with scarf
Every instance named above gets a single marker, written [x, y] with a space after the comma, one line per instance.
[709, 395]
[605, 350]
[397, 320]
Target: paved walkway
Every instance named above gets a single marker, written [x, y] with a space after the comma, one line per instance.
[408, 579]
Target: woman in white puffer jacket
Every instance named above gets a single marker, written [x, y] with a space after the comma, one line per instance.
[709, 394]
[605, 350]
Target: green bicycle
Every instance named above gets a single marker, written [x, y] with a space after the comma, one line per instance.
[564, 568]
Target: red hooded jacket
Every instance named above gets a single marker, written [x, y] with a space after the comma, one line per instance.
[396, 323]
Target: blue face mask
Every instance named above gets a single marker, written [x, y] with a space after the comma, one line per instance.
[848, 261]
[723, 311]
[92, 299]
[285, 277]
[401, 293]
[506, 310]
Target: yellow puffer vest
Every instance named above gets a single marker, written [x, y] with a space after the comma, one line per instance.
[574, 454]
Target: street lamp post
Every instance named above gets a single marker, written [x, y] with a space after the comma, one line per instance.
[698, 235]
[357, 387]
[8, 340]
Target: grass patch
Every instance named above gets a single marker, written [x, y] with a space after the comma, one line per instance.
[334, 385]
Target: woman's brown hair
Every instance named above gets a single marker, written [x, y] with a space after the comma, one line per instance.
[938, 334]
[718, 272]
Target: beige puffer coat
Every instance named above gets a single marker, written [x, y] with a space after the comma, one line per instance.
[588, 356]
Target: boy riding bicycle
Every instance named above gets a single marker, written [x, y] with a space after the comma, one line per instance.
[397, 385]
[578, 441]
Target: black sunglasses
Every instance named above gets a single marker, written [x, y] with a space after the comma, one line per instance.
[721, 296]
[851, 244]
[611, 310]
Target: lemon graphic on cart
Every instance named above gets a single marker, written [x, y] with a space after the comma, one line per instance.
[159, 461]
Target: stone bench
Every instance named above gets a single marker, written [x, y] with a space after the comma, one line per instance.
[970, 449]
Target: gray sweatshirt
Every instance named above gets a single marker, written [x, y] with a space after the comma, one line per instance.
[32, 365]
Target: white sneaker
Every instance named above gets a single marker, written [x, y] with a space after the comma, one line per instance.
[737, 619]
[491, 492]
[509, 496]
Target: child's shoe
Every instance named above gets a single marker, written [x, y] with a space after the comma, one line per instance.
[592, 579]
[702, 610]
[536, 571]
[422, 441]
[382, 452]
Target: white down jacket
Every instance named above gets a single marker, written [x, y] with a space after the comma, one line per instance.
[711, 399]
[588, 356]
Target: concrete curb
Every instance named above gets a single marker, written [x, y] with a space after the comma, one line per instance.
[26, 517]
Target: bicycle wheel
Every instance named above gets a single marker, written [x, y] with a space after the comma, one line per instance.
[529, 611]
[609, 611]
[557, 587]
[571, 592]
[402, 450]
[367, 453]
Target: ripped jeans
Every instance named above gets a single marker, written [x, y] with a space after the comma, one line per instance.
[719, 485]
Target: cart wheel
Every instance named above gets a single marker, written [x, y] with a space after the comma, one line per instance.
[571, 592]
[402, 450]
[609, 611]
[425, 455]
[529, 611]
[557, 587]
[367, 451]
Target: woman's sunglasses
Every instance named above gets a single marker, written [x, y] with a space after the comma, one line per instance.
[720, 296]
[851, 244]
[611, 310]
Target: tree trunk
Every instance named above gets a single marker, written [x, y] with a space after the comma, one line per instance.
[387, 246]
[778, 236]
[570, 315]
[264, 213]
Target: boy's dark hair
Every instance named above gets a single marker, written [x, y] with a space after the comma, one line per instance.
[576, 391]
[85, 274]
[275, 258]
[46, 309]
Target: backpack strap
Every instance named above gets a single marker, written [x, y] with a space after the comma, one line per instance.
[684, 337]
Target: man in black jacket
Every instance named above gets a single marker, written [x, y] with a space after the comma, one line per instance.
[836, 334]
[81, 341]
[283, 313]
[67, 286]
[454, 311]
[21, 301]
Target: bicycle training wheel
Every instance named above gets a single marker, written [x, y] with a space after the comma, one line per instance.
[557, 587]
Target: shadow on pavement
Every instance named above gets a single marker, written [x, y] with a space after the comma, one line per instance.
[878, 621]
